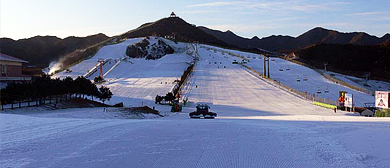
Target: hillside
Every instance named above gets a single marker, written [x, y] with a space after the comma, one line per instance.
[41, 50]
[349, 59]
[176, 27]
[172, 26]
[287, 43]
[229, 37]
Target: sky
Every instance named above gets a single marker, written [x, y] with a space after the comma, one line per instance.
[62, 18]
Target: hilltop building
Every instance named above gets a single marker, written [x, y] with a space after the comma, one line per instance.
[173, 14]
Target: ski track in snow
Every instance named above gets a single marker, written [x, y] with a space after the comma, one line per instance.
[258, 125]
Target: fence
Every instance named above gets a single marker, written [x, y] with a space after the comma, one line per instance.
[185, 84]
[176, 89]
[298, 93]
[38, 101]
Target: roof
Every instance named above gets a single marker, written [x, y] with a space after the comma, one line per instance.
[5, 57]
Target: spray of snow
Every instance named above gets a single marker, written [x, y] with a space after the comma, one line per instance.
[54, 66]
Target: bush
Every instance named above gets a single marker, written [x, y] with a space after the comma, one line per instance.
[98, 79]
[382, 113]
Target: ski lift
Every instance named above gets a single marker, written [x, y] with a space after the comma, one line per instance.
[326, 90]
[318, 90]
[298, 79]
[305, 78]
[288, 68]
[280, 69]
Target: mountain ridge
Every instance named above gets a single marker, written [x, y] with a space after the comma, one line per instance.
[41, 50]
[280, 43]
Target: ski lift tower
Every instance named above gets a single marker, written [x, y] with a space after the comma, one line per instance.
[101, 67]
[196, 50]
[266, 59]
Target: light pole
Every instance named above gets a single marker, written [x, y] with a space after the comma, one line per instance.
[325, 64]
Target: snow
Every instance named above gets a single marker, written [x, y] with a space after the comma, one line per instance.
[139, 83]
[113, 51]
[258, 125]
[315, 81]
[373, 85]
[135, 81]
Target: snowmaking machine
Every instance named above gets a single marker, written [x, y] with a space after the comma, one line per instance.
[176, 106]
[202, 110]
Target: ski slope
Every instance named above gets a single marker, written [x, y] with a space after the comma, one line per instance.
[135, 81]
[138, 83]
[220, 83]
[374, 85]
[258, 125]
[287, 73]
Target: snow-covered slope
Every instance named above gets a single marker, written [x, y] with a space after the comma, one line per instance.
[232, 91]
[370, 84]
[114, 52]
[139, 82]
[288, 74]
[135, 81]
[258, 125]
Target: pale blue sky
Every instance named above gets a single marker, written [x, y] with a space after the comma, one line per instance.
[247, 18]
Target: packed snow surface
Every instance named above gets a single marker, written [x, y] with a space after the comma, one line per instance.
[298, 77]
[258, 125]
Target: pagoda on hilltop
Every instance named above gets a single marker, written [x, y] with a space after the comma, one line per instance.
[173, 14]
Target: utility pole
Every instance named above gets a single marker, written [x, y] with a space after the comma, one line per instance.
[137, 49]
[367, 75]
[265, 70]
[101, 68]
[325, 64]
[268, 69]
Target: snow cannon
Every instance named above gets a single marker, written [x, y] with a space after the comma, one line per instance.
[202, 110]
[176, 106]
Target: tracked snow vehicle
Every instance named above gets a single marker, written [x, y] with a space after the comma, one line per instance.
[202, 110]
